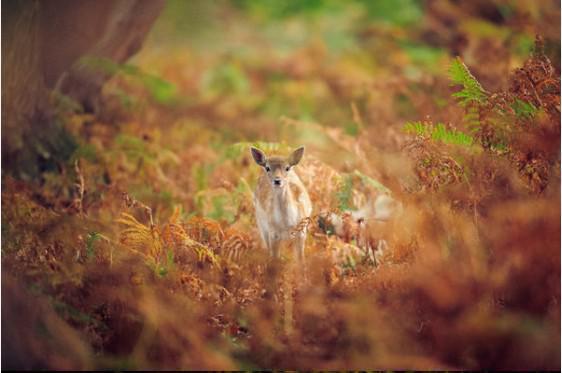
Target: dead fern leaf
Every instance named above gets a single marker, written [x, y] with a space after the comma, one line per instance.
[78, 201]
[175, 236]
[140, 238]
[235, 246]
[205, 231]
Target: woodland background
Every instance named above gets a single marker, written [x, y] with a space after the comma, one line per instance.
[128, 234]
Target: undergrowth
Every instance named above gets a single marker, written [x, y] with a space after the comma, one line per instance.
[143, 253]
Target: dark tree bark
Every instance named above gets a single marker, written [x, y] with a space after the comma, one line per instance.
[42, 44]
[109, 29]
[25, 106]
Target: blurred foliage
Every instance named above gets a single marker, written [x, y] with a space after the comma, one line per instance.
[397, 12]
[524, 109]
[142, 252]
[159, 89]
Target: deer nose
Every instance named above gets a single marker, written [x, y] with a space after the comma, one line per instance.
[276, 181]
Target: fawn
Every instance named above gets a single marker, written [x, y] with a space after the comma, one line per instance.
[281, 201]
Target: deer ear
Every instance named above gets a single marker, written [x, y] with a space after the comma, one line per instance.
[258, 156]
[296, 156]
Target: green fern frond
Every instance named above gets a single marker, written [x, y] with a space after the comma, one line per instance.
[472, 91]
[92, 237]
[472, 120]
[416, 128]
[344, 194]
[438, 132]
[524, 109]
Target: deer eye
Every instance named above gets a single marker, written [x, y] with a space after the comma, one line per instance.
[287, 168]
[267, 168]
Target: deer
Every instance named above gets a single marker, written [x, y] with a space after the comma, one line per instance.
[281, 202]
[371, 225]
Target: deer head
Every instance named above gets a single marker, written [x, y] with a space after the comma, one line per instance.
[277, 169]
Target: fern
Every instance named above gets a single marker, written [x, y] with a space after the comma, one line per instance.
[344, 194]
[524, 109]
[438, 132]
[471, 96]
[93, 237]
[472, 91]
[149, 242]
[472, 119]
[174, 235]
[417, 128]
[140, 238]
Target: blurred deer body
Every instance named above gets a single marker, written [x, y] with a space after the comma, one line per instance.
[381, 208]
[281, 202]
[371, 225]
[372, 236]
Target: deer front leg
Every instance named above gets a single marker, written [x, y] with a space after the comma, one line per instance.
[299, 246]
[301, 270]
[264, 233]
[274, 241]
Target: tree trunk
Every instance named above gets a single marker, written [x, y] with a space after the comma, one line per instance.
[113, 30]
[30, 139]
[42, 44]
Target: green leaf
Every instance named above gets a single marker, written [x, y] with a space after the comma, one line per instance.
[472, 91]
[416, 128]
[345, 193]
[225, 79]
[159, 89]
[92, 237]
[438, 132]
[397, 12]
[524, 109]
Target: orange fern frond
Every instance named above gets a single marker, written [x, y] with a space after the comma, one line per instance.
[235, 245]
[139, 237]
[205, 231]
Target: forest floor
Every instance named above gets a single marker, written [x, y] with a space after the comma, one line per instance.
[142, 251]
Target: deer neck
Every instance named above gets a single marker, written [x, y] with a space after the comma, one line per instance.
[283, 196]
[285, 211]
